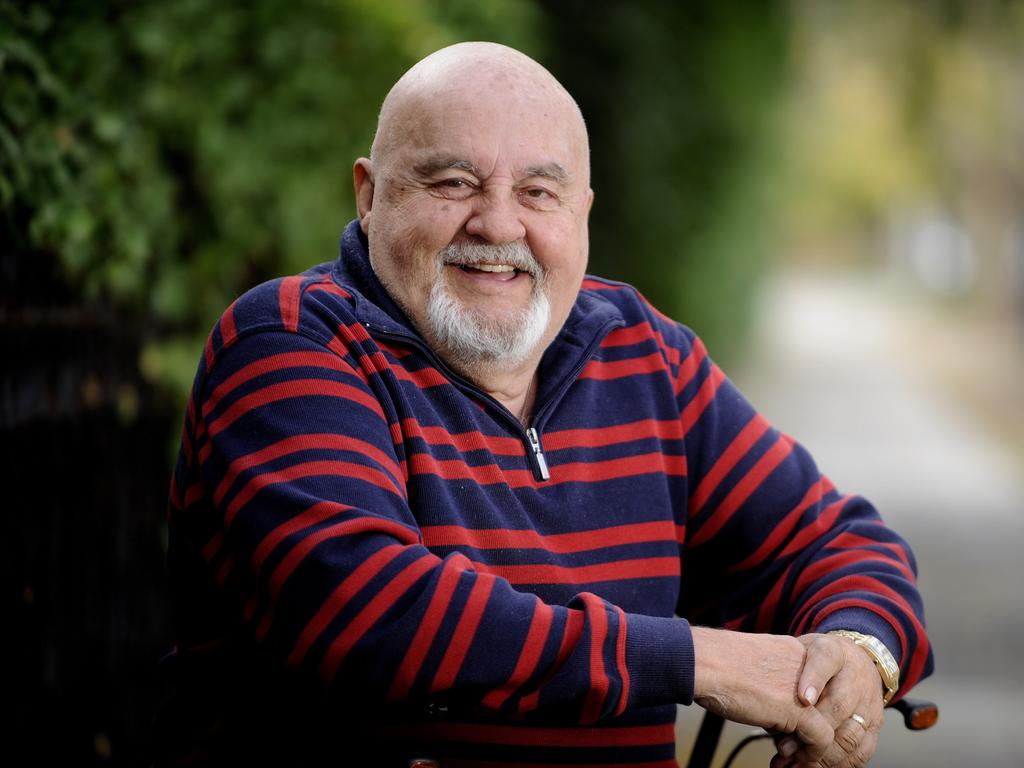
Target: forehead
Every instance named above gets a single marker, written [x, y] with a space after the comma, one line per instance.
[497, 125]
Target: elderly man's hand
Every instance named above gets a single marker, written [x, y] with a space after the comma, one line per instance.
[753, 679]
[843, 684]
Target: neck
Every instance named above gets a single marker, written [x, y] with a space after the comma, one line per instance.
[515, 389]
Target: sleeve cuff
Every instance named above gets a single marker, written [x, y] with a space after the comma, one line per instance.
[659, 657]
[868, 623]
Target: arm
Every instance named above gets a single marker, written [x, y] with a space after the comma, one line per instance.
[772, 547]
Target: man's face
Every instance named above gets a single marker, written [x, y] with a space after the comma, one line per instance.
[494, 177]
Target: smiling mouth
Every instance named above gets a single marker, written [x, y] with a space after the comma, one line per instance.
[491, 268]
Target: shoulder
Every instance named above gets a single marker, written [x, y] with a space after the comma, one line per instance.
[641, 319]
[312, 305]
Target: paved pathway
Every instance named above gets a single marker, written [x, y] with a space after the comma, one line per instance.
[832, 369]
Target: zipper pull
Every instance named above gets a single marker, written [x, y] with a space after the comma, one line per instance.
[540, 464]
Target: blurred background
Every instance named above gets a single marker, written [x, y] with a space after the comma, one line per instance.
[830, 193]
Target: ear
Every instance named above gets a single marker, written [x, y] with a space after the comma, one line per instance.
[589, 203]
[362, 178]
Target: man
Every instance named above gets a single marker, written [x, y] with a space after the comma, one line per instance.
[448, 498]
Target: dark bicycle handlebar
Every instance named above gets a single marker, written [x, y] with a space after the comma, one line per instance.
[917, 716]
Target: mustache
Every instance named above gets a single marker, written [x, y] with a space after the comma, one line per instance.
[516, 255]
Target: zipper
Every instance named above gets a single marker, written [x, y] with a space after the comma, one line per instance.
[529, 435]
[540, 464]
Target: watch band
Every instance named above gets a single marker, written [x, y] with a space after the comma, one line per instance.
[885, 663]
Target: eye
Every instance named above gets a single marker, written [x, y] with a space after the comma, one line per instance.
[454, 187]
[539, 197]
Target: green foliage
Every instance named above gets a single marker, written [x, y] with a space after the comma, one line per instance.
[171, 154]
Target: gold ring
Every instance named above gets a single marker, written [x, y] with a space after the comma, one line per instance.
[859, 719]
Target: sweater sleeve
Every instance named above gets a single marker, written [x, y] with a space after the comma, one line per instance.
[771, 545]
[292, 491]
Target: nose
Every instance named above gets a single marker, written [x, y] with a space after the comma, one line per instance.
[496, 218]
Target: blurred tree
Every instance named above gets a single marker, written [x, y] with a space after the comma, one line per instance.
[678, 99]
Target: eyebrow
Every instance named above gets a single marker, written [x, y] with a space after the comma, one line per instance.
[432, 165]
[553, 171]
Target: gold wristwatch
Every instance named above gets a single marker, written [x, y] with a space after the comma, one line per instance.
[883, 658]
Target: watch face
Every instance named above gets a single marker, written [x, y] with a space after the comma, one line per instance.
[883, 658]
[882, 654]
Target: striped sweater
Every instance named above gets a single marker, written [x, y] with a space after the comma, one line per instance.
[372, 560]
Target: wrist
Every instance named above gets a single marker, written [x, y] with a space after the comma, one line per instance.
[881, 656]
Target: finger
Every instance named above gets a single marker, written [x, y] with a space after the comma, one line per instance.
[814, 731]
[825, 657]
[854, 744]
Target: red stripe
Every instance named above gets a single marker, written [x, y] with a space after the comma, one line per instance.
[596, 285]
[529, 656]
[342, 595]
[310, 516]
[602, 370]
[819, 526]
[297, 554]
[915, 666]
[309, 469]
[868, 605]
[271, 363]
[743, 489]
[731, 456]
[369, 615]
[305, 442]
[785, 526]
[766, 613]
[705, 396]
[599, 683]
[424, 378]
[289, 295]
[194, 493]
[851, 540]
[637, 334]
[228, 332]
[831, 564]
[571, 634]
[861, 583]
[556, 440]
[327, 284]
[288, 390]
[631, 334]
[453, 569]
[463, 441]
[225, 569]
[586, 472]
[465, 632]
[208, 353]
[475, 763]
[616, 570]
[691, 365]
[561, 543]
[620, 661]
[537, 736]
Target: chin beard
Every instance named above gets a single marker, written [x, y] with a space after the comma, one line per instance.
[470, 339]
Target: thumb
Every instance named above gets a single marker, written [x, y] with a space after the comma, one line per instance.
[825, 657]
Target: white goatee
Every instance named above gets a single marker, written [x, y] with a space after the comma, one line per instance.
[470, 338]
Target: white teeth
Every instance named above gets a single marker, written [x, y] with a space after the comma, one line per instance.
[492, 267]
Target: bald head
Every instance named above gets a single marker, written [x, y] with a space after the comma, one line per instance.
[472, 74]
